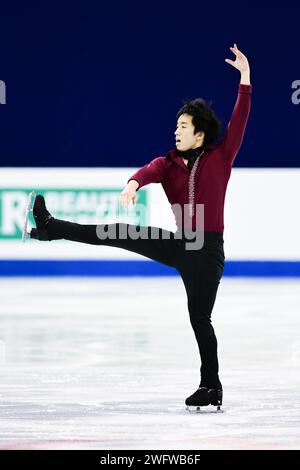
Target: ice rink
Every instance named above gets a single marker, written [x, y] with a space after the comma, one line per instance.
[106, 363]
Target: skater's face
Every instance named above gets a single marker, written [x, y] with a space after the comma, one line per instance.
[184, 134]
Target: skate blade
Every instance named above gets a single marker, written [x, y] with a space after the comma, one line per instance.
[29, 207]
[204, 409]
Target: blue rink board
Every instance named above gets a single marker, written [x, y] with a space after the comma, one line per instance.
[139, 268]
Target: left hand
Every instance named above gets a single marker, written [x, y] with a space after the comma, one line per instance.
[241, 62]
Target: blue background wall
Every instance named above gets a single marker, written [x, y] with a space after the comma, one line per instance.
[96, 85]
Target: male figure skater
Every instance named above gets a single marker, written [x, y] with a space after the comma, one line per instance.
[195, 173]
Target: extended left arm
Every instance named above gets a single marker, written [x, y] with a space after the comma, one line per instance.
[235, 130]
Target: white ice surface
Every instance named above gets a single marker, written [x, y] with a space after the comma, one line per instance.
[107, 364]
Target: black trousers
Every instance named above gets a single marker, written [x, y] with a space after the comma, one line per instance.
[201, 271]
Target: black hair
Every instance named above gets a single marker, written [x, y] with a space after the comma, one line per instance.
[203, 118]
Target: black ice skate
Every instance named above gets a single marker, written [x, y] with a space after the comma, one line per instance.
[41, 217]
[205, 396]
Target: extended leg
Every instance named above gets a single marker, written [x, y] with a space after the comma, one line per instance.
[152, 242]
[156, 243]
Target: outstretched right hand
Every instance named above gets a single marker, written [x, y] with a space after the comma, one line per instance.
[128, 194]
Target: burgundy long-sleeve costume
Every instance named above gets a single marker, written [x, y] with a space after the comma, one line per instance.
[207, 182]
[200, 270]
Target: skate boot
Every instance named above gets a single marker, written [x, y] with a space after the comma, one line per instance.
[41, 217]
[205, 396]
